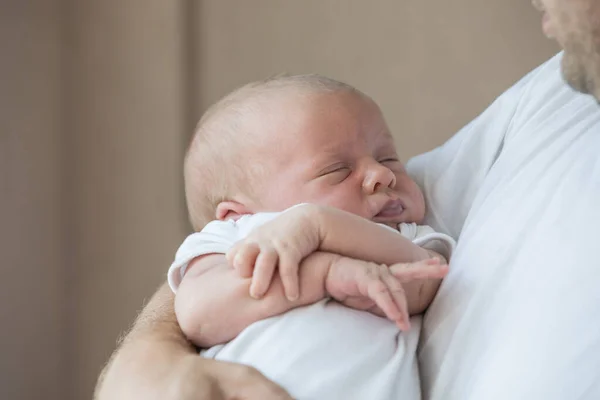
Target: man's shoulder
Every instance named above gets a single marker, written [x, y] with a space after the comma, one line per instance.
[548, 103]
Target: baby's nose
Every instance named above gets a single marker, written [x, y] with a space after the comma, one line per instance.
[378, 178]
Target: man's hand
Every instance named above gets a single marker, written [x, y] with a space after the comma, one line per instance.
[186, 377]
[279, 244]
[377, 288]
[198, 378]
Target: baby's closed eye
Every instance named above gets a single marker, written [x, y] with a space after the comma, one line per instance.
[336, 173]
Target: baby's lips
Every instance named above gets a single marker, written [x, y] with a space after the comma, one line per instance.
[391, 208]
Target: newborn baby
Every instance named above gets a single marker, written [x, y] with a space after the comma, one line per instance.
[314, 258]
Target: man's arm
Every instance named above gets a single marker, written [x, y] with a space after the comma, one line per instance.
[155, 361]
[155, 325]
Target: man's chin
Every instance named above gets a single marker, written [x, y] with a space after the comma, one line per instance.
[574, 73]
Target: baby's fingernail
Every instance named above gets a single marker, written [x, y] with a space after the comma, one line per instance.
[293, 297]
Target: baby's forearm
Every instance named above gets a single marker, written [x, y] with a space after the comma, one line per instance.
[213, 304]
[353, 236]
[356, 237]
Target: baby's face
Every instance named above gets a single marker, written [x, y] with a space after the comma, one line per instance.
[335, 149]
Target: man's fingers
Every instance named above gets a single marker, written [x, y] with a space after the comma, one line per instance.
[243, 258]
[261, 390]
[426, 269]
[246, 383]
[264, 268]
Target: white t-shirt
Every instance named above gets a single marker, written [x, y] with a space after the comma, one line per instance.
[518, 316]
[325, 350]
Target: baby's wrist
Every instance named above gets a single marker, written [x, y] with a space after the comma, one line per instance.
[316, 219]
[309, 221]
[332, 276]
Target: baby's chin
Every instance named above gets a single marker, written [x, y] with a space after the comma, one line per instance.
[391, 221]
[391, 224]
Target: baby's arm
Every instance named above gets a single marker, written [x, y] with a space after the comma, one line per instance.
[213, 304]
[284, 241]
[353, 236]
[347, 234]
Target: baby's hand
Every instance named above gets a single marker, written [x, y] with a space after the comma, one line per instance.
[281, 243]
[377, 288]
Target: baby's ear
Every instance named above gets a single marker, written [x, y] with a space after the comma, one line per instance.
[231, 210]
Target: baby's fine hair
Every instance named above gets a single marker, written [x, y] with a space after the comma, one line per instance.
[213, 166]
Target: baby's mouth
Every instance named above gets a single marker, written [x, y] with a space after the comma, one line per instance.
[390, 211]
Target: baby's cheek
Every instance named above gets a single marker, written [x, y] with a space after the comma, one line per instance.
[344, 197]
[355, 206]
[419, 203]
[413, 194]
[342, 202]
[282, 200]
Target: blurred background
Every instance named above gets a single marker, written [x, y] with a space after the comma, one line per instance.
[98, 100]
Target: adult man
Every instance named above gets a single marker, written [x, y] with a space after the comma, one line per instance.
[519, 315]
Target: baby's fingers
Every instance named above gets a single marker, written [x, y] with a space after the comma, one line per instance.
[379, 292]
[399, 297]
[242, 256]
[426, 269]
[264, 268]
[288, 270]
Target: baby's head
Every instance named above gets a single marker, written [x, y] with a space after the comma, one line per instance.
[297, 139]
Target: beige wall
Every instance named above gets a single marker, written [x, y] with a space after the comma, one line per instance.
[127, 136]
[33, 334]
[431, 65]
[94, 200]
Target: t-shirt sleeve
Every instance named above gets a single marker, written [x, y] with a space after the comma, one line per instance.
[427, 238]
[216, 238]
[451, 175]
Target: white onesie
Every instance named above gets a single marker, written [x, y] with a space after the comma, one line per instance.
[324, 350]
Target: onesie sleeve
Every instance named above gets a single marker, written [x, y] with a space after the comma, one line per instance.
[426, 237]
[217, 237]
